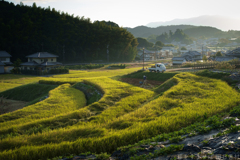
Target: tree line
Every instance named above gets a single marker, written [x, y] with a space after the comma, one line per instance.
[29, 29]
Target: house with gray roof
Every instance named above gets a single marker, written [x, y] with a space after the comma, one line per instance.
[41, 61]
[6, 65]
[234, 53]
[178, 60]
[192, 56]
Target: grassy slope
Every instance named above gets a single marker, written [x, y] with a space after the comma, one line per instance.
[8, 81]
[123, 121]
[27, 92]
[71, 99]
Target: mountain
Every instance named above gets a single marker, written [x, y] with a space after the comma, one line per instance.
[220, 22]
[191, 31]
[143, 31]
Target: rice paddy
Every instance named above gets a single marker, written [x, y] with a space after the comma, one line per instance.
[63, 124]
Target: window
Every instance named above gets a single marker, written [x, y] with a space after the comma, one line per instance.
[41, 60]
[45, 60]
[51, 59]
[3, 59]
[25, 68]
[30, 59]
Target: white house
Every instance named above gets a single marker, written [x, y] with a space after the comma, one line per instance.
[41, 61]
[5, 60]
[178, 60]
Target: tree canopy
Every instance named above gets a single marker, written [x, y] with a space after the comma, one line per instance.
[178, 36]
[144, 43]
[219, 54]
[29, 29]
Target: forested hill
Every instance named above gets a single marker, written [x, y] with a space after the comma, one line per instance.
[143, 31]
[26, 30]
[191, 31]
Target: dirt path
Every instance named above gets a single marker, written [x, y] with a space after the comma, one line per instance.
[8, 105]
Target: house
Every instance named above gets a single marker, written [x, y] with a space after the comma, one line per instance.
[1, 67]
[224, 59]
[41, 61]
[234, 53]
[5, 62]
[221, 59]
[192, 56]
[178, 60]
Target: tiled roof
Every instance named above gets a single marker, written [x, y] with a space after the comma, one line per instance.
[42, 55]
[193, 53]
[33, 63]
[50, 63]
[4, 54]
[221, 59]
[8, 63]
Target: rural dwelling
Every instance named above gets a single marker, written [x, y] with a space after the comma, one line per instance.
[178, 60]
[192, 56]
[5, 59]
[224, 59]
[41, 61]
[1, 67]
[234, 53]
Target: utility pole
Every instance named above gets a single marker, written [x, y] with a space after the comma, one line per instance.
[63, 54]
[143, 59]
[107, 53]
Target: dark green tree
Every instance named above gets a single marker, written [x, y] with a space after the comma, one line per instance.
[183, 48]
[219, 54]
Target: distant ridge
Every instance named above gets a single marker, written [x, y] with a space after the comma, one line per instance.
[190, 30]
[144, 31]
[220, 22]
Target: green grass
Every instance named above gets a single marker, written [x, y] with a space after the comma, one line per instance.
[61, 100]
[9, 81]
[98, 73]
[123, 116]
[27, 92]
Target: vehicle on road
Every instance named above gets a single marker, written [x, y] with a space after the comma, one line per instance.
[159, 67]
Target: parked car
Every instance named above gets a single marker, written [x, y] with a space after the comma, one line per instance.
[159, 67]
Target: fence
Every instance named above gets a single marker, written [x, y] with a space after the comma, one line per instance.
[211, 65]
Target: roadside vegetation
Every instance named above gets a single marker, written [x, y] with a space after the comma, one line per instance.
[125, 115]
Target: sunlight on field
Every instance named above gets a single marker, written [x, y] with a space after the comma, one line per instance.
[99, 73]
[124, 115]
[8, 81]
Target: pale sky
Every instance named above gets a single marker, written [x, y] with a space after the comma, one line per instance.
[132, 13]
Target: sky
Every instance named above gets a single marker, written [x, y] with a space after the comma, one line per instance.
[132, 13]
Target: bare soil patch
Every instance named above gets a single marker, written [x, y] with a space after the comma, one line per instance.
[8, 105]
[149, 84]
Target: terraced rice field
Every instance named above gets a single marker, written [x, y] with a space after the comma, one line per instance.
[63, 124]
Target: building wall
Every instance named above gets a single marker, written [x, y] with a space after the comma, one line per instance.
[178, 62]
[7, 69]
[41, 60]
[6, 60]
[1, 69]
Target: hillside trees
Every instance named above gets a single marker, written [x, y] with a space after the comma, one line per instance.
[144, 43]
[29, 29]
[178, 36]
